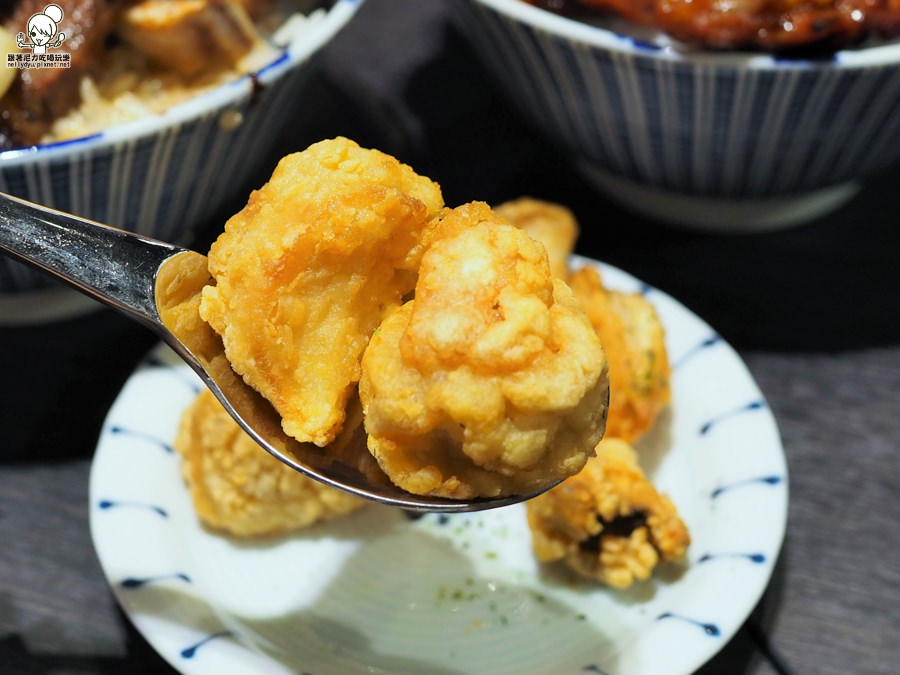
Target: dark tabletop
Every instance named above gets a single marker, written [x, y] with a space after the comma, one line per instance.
[814, 311]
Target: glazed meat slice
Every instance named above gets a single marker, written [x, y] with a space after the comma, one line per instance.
[39, 95]
[765, 24]
[772, 25]
[189, 36]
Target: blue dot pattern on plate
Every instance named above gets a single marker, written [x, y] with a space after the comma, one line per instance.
[190, 651]
[161, 363]
[165, 445]
[752, 405]
[710, 629]
[757, 558]
[593, 668]
[139, 582]
[756, 480]
[711, 341]
[111, 504]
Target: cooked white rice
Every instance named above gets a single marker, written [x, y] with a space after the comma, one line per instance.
[126, 86]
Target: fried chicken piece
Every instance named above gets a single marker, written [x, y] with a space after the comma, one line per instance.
[551, 224]
[607, 523]
[629, 329]
[451, 221]
[308, 269]
[634, 341]
[237, 487]
[492, 380]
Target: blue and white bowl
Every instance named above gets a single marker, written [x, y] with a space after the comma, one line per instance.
[161, 176]
[719, 141]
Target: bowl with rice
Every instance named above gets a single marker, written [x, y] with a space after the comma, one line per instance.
[147, 115]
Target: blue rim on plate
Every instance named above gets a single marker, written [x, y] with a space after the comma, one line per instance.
[458, 593]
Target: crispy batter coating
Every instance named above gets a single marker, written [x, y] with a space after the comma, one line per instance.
[629, 328]
[237, 487]
[634, 340]
[308, 269]
[449, 222]
[492, 380]
[551, 224]
[608, 523]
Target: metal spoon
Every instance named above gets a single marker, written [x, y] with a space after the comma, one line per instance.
[158, 285]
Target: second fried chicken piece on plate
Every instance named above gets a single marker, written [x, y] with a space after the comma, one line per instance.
[551, 224]
[238, 488]
[635, 342]
[608, 523]
[629, 327]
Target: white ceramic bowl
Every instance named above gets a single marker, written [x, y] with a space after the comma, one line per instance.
[720, 141]
[162, 175]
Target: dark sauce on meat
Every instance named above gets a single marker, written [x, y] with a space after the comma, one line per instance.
[621, 526]
[790, 28]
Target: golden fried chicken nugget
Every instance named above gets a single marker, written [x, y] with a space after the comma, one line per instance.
[629, 328]
[308, 269]
[608, 522]
[634, 340]
[238, 487]
[492, 380]
[551, 224]
[451, 221]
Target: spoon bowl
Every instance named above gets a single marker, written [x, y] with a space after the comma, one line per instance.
[158, 285]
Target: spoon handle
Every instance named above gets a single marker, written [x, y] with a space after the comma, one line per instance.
[113, 266]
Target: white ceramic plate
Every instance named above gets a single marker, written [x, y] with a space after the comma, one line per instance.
[380, 592]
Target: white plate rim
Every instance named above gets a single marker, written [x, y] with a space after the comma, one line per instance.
[750, 487]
